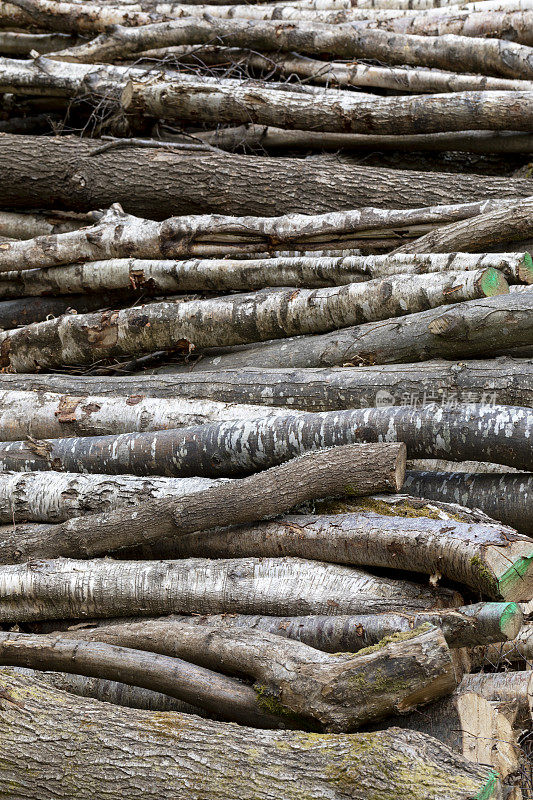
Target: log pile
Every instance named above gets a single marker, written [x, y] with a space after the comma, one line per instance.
[266, 400]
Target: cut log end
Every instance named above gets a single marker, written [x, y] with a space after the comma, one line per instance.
[492, 282]
[516, 582]
[511, 620]
[525, 270]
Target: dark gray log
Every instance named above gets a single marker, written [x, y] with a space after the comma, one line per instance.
[48, 172]
[506, 497]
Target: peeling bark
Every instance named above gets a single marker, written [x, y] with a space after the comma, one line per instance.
[117, 744]
[236, 319]
[506, 497]
[468, 330]
[64, 589]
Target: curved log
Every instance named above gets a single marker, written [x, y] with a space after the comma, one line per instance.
[59, 589]
[505, 497]
[117, 743]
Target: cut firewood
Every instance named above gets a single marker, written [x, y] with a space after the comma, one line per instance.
[518, 650]
[118, 743]
[60, 589]
[504, 687]
[506, 497]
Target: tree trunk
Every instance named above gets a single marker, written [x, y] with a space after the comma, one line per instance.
[117, 234]
[468, 330]
[58, 496]
[482, 623]
[441, 465]
[314, 389]
[41, 415]
[26, 226]
[506, 497]
[218, 694]
[338, 74]
[120, 694]
[353, 41]
[52, 172]
[341, 691]
[352, 470]
[495, 563]
[259, 137]
[235, 319]
[25, 311]
[252, 765]
[499, 434]
[501, 225]
[203, 103]
[60, 589]
[516, 26]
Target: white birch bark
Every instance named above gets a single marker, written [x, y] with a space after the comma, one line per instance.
[63, 589]
[45, 415]
[58, 496]
[236, 319]
[16, 225]
[118, 743]
[161, 276]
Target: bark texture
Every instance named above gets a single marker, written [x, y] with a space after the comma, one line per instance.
[337, 471]
[118, 742]
[506, 497]
[506, 381]
[496, 563]
[64, 589]
[60, 172]
[499, 434]
[468, 330]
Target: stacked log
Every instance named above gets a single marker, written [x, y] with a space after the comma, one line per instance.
[266, 399]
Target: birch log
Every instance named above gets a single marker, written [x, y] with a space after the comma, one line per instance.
[506, 497]
[22, 311]
[223, 696]
[500, 434]
[116, 234]
[504, 687]
[502, 225]
[337, 471]
[25, 226]
[497, 563]
[41, 415]
[469, 330]
[481, 623]
[60, 171]
[64, 589]
[161, 276]
[349, 40]
[115, 692]
[58, 496]
[118, 742]
[505, 381]
[235, 319]
[202, 103]
[308, 682]
[515, 651]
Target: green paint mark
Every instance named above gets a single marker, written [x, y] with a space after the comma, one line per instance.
[525, 272]
[488, 790]
[509, 614]
[514, 576]
[493, 282]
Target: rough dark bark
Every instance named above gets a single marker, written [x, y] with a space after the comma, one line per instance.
[252, 765]
[60, 172]
[505, 381]
[235, 319]
[506, 497]
[468, 330]
[495, 563]
[499, 434]
[25, 311]
[352, 470]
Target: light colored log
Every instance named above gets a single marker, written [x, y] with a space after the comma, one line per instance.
[117, 743]
[18, 225]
